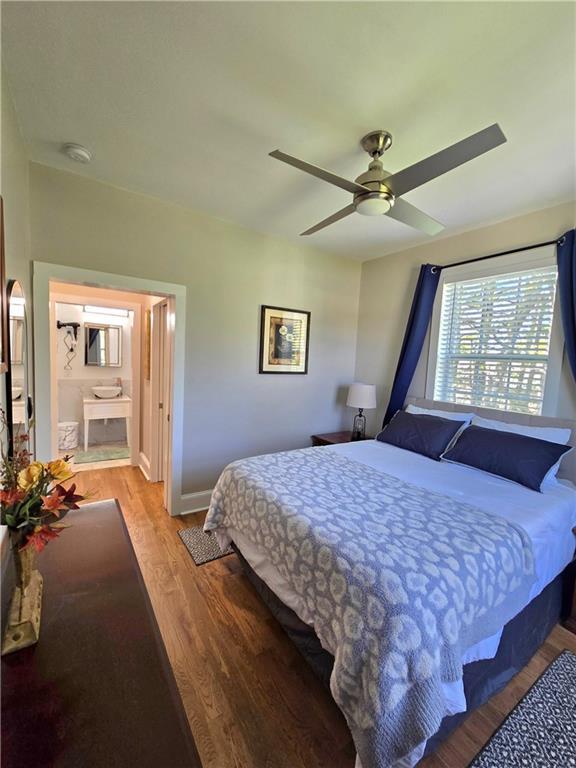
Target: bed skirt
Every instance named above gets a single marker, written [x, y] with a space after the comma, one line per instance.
[521, 638]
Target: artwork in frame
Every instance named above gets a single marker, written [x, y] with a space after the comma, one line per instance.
[284, 340]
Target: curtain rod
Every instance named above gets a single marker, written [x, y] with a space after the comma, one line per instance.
[556, 241]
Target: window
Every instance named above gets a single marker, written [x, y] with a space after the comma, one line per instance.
[492, 338]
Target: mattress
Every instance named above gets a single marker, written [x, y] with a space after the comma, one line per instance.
[547, 517]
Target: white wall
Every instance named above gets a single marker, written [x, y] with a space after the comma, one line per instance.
[78, 369]
[388, 286]
[229, 272]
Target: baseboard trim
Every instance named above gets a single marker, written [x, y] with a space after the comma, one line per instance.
[144, 465]
[194, 502]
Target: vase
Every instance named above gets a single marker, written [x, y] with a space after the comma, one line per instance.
[23, 626]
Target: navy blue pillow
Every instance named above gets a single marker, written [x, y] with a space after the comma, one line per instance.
[420, 433]
[522, 459]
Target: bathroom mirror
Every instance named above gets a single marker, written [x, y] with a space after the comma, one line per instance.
[103, 345]
[16, 340]
[17, 381]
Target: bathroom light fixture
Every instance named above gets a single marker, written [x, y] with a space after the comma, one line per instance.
[77, 152]
[93, 310]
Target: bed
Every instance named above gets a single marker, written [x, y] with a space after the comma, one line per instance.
[328, 536]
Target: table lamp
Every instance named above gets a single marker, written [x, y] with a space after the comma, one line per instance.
[360, 396]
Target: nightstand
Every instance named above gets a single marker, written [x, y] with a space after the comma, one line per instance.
[333, 438]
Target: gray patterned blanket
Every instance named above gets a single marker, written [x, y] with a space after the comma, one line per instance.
[397, 581]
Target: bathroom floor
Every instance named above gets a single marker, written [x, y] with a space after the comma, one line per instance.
[100, 456]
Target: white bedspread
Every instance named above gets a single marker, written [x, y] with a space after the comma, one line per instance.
[547, 517]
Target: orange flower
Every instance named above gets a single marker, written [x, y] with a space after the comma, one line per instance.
[10, 496]
[53, 502]
[41, 535]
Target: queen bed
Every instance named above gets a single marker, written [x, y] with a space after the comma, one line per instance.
[416, 588]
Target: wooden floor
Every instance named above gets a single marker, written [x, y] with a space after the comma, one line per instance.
[251, 699]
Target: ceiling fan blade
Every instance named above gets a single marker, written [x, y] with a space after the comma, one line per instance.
[320, 173]
[445, 160]
[331, 219]
[414, 217]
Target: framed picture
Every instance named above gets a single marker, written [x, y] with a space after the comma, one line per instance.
[284, 338]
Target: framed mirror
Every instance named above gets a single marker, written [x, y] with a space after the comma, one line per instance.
[18, 399]
[17, 339]
[3, 298]
[103, 345]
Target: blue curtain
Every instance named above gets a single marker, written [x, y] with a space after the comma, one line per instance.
[566, 255]
[418, 322]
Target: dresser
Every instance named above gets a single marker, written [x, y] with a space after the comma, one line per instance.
[97, 691]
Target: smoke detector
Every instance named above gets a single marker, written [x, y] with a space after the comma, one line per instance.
[77, 152]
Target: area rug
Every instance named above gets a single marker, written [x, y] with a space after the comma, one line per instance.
[202, 547]
[540, 732]
[101, 453]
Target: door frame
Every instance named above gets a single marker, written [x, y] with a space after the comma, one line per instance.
[135, 367]
[156, 390]
[44, 392]
[162, 347]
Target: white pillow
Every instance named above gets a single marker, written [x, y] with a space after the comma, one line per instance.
[452, 415]
[558, 435]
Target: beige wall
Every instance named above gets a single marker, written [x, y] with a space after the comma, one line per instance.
[388, 285]
[230, 410]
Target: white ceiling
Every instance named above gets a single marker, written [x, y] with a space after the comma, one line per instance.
[183, 101]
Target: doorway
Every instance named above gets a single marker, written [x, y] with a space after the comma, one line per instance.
[121, 344]
[98, 368]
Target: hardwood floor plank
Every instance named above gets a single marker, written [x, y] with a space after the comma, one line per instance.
[251, 699]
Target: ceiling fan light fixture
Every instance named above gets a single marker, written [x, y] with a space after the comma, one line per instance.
[373, 205]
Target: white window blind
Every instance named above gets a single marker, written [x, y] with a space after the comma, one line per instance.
[494, 340]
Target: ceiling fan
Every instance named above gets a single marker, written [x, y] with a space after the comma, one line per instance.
[377, 192]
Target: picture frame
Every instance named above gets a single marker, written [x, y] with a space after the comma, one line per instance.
[284, 340]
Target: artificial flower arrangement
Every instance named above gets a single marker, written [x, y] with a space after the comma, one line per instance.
[33, 500]
[33, 503]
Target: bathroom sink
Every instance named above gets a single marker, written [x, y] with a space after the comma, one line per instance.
[107, 392]
[16, 393]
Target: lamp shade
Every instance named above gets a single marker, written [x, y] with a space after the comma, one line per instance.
[361, 396]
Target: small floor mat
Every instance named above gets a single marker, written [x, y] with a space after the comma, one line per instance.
[100, 453]
[202, 547]
[540, 732]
